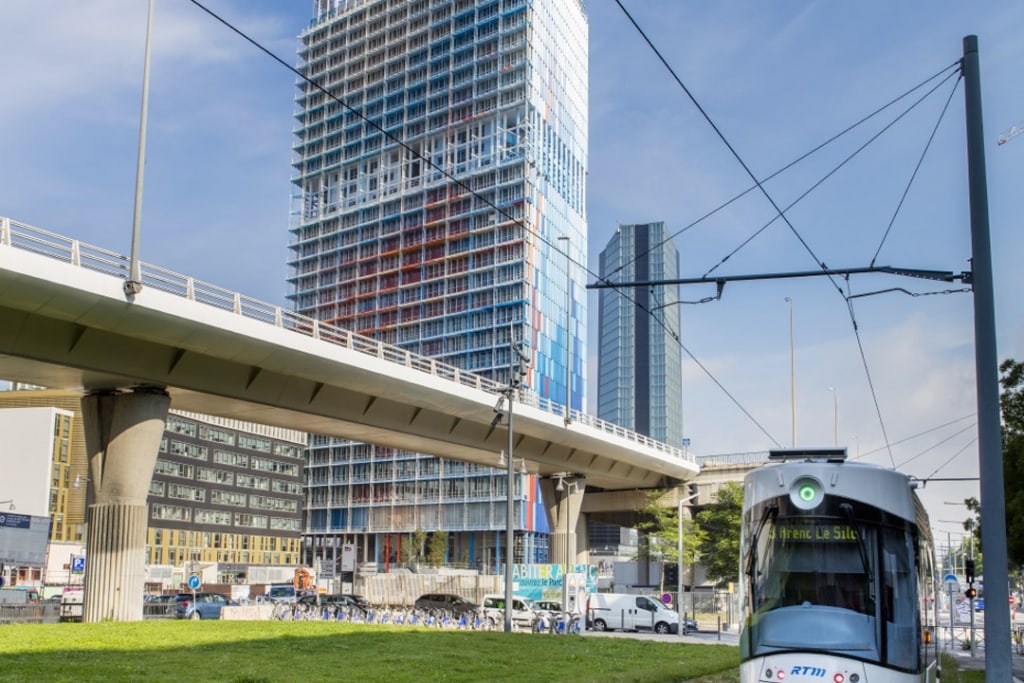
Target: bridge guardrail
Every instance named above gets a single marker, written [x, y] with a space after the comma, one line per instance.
[51, 245]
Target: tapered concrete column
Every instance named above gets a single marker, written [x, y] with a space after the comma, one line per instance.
[563, 511]
[122, 435]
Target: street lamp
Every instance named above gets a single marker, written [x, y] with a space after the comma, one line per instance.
[5, 502]
[835, 415]
[679, 565]
[516, 372]
[792, 370]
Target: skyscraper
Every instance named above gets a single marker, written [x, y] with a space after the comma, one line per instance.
[640, 358]
[440, 154]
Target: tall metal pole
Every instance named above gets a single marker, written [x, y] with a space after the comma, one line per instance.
[509, 506]
[792, 370]
[835, 415]
[133, 285]
[990, 456]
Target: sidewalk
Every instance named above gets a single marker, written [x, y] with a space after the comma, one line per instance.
[977, 662]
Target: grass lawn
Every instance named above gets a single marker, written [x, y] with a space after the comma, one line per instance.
[273, 651]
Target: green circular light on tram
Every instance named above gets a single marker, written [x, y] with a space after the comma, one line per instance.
[806, 492]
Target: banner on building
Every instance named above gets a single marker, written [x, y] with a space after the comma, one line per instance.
[23, 539]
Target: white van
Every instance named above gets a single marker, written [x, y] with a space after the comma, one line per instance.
[523, 614]
[621, 611]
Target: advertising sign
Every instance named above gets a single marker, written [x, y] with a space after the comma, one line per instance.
[348, 557]
[23, 539]
[547, 581]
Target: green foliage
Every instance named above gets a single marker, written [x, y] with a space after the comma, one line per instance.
[1011, 402]
[412, 551]
[719, 523]
[300, 651]
[437, 549]
[660, 539]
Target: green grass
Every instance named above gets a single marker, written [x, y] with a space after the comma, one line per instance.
[273, 652]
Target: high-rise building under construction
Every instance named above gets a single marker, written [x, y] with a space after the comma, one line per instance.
[439, 195]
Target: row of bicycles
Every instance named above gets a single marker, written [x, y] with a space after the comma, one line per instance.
[554, 623]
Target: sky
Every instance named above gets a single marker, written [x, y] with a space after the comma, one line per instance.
[776, 79]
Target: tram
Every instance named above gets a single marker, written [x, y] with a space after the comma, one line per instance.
[838, 582]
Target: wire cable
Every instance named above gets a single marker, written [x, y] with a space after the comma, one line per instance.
[916, 436]
[790, 165]
[955, 455]
[917, 168]
[939, 443]
[832, 172]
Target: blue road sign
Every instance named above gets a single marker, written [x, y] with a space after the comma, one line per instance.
[78, 564]
[11, 520]
[193, 581]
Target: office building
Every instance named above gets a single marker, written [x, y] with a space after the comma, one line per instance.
[433, 181]
[639, 355]
[639, 384]
[225, 495]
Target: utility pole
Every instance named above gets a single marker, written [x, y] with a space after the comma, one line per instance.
[990, 454]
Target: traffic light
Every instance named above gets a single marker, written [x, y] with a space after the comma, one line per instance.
[671, 575]
[969, 570]
[971, 592]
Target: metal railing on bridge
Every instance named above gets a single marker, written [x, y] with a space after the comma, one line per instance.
[45, 243]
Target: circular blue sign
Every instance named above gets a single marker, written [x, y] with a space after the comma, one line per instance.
[193, 581]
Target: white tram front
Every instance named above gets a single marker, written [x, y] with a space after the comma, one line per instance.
[838, 582]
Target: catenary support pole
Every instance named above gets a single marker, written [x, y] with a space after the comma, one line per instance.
[990, 454]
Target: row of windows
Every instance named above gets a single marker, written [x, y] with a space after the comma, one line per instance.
[175, 513]
[224, 436]
[185, 470]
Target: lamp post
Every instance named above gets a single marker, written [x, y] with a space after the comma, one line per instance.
[835, 415]
[133, 285]
[679, 565]
[5, 502]
[568, 329]
[516, 371]
[792, 370]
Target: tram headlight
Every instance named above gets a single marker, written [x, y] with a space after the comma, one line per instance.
[806, 493]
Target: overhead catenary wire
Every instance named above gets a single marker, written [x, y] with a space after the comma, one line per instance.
[793, 163]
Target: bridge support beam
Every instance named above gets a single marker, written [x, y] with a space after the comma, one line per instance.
[563, 510]
[122, 437]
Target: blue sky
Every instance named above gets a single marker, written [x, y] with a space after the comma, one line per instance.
[776, 78]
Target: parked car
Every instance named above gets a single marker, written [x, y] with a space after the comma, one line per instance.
[358, 600]
[552, 606]
[204, 606]
[455, 604]
[523, 614]
[345, 601]
[282, 592]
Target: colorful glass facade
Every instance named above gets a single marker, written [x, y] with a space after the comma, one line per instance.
[432, 182]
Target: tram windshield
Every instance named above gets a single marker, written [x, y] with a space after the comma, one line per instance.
[828, 583]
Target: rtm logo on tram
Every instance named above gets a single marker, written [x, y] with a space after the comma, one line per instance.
[807, 671]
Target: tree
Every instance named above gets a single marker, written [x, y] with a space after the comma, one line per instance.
[437, 549]
[719, 524]
[660, 539]
[1011, 401]
[412, 551]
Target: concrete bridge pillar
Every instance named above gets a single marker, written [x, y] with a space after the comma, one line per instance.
[563, 510]
[122, 437]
